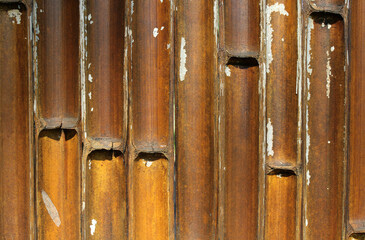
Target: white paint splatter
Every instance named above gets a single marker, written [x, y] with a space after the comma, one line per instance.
[306, 222]
[329, 142]
[93, 226]
[310, 28]
[168, 46]
[51, 209]
[162, 28]
[279, 8]
[308, 178]
[227, 71]
[270, 138]
[282, 39]
[332, 48]
[92, 109]
[216, 19]
[329, 26]
[183, 69]
[89, 17]
[328, 75]
[155, 32]
[89, 95]
[161, 1]
[148, 163]
[132, 7]
[15, 13]
[90, 78]
[307, 136]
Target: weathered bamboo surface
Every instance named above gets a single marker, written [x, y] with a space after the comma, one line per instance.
[203, 120]
[58, 185]
[56, 58]
[15, 130]
[356, 198]
[195, 79]
[325, 126]
[105, 90]
[106, 195]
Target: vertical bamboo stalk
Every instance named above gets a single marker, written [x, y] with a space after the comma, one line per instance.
[281, 83]
[58, 187]
[106, 196]
[150, 148]
[150, 212]
[151, 74]
[105, 91]
[242, 27]
[241, 148]
[325, 127]
[56, 29]
[15, 166]
[282, 94]
[357, 116]
[196, 60]
[280, 195]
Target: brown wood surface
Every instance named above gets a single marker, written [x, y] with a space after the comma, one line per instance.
[150, 213]
[195, 75]
[150, 80]
[106, 196]
[281, 83]
[280, 215]
[325, 120]
[105, 92]
[58, 185]
[56, 33]
[14, 123]
[242, 31]
[357, 116]
[241, 149]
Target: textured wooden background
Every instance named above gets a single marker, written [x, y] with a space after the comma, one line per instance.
[182, 119]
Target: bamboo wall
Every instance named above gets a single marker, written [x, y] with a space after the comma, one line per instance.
[181, 119]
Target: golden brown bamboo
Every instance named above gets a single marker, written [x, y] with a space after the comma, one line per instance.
[58, 185]
[356, 172]
[150, 213]
[56, 33]
[241, 148]
[325, 124]
[196, 60]
[106, 196]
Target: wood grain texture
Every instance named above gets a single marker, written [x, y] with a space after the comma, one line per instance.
[104, 70]
[106, 196]
[195, 59]
[281, 79]
[241, 149]
[151, 71]
[325, 127]
[56, 34]
[150, 212]
[14, 123]
[58, 185]
[357, 116]
[280, 215]
[242, 27]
